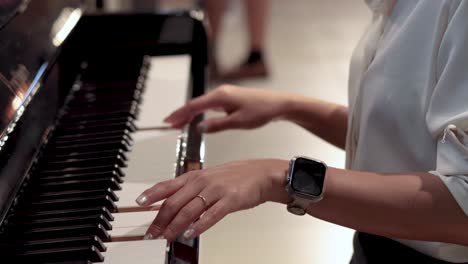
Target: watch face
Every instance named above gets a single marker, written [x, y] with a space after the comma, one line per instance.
[308, 177]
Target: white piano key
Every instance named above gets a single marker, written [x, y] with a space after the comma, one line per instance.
[130, 191]
[131, 224]
[141, 252]
[166, 89]
[152, 160]
[153, 157]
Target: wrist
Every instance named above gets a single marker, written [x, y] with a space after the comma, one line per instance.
[276, 183]
[293, 108]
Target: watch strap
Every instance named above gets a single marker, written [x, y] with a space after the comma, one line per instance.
[299, 206]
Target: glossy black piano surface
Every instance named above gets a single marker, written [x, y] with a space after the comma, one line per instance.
[70, 87]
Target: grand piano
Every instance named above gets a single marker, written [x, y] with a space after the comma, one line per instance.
[82, 96]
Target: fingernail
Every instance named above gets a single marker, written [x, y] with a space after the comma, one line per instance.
[148, 236]
[201, 128]
[142, 199]
[161, 237]
[189, 233]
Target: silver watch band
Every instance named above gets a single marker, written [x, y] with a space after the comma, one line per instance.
[299, 206]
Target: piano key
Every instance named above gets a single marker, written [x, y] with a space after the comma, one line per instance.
[74, 194]
[142, 252]
[134, 224]
[87, 121]
[95, 123]
[142, 165]
[64, 231]
[68, 203]
[82, 176]
[130, 191]
[64, 243]
[120, 126]
[90, 153]
[80, 185]
[70, 213]
[89, 253]
[73, 170]
[117, 155]
[92, 108]
[90, 139]
[95, 147]
[69, 117]
[84, 163]
[67, 221]
[168, 75]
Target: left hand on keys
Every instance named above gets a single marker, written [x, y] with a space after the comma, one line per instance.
[210, 194]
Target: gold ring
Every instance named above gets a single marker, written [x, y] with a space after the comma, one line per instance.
[203, 199]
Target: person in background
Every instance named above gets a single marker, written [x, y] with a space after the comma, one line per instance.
[254, 65]
[405, 132]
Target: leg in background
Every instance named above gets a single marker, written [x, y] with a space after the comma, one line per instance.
[254, 65]
[215, 10]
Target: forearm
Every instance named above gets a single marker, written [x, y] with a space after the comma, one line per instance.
[327, 120]
[414, 206]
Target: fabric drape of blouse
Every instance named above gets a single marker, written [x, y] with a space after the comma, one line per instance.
[408, 99]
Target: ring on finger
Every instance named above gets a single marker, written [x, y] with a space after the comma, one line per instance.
[205, 202]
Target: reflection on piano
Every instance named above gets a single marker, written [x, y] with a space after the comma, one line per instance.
[79, 130]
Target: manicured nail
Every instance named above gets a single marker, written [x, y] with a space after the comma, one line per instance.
[142, 199]
[201, 128]
[148, 236]
[189, 233]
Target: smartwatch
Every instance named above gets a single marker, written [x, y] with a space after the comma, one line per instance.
[305, 183]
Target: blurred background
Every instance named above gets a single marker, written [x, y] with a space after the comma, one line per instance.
[305, 48]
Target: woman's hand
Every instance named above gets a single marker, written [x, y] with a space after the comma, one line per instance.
[244, 107]
[209, 195]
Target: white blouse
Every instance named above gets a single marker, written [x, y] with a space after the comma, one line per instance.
[408, 99]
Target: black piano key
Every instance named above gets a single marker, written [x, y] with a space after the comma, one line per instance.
[70, 117]
[85, 154]
[120, 126]
[96, 123]
[64, 243]
[95, 147]
[92, 108]
[86, 122]
[86, 254]
[68, 213]
[65, 221]
[84, 163]
[82, 176]
[78, 136]
[71, 171]
[74, 194]
[118, 153]
[105, 97]
[67, 203]
[65, 231]
[80, 185]
[90, 141]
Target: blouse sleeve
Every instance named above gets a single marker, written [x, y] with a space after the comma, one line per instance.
[447, 115]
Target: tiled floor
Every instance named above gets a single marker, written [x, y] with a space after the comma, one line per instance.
[309, 47]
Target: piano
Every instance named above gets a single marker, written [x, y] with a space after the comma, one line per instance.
[82, 96]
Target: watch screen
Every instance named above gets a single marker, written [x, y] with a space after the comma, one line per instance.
[308, 177]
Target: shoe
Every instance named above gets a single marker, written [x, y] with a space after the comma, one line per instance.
[257, 69]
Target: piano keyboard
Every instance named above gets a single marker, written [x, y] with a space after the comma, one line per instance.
[79, 202]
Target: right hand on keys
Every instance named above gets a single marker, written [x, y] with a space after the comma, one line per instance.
[245, 108]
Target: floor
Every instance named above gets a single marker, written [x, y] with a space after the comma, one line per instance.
[309, 45]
